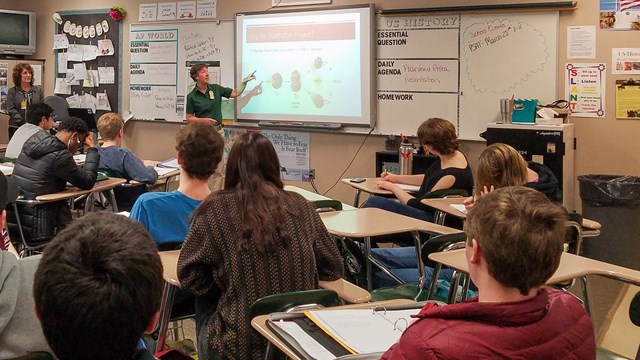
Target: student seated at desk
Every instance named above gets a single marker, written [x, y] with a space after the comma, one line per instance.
[120, 161]
[250, 240]
[514, 243]
[98, 289]
[166, 215]
[499, 165]
[450, 171]
[38, 118]
[20, 331]
[44, 167]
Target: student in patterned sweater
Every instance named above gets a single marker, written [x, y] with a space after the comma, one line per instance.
[250, 240]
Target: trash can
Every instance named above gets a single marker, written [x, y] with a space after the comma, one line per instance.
[614, 202]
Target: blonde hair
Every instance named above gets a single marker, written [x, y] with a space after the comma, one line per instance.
[109, 125]
[500, 166]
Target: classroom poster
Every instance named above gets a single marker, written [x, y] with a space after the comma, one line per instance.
[625, 60]
[293, 151]
[585, 89]
[628, 99]
[620, 14]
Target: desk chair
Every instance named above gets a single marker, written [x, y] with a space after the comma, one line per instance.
[127, 194]
[290, 302]
[16, 230]
[60, 107]
[417, 292]
[440, 217]
[634, 316]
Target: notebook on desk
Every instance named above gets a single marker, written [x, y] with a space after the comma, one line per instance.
[171, 163]
[333, 333]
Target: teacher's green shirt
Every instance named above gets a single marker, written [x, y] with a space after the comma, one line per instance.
[209, 103]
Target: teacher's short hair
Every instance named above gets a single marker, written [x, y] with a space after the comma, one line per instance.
[195, 69]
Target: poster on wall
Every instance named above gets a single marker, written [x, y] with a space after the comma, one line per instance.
[625, 60]
[585, 89]
[628, 99]
[293, 151]
[620, 14]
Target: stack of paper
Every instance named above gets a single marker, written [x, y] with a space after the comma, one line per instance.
[171, 163]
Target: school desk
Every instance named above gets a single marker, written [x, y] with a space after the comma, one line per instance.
[259, 323]
[311, 196]
[346, 291]
[590, 228]
[73, 192]
[367, 222]
[571, 267]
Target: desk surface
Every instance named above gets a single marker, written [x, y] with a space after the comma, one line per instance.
[72, 192]
[260, 323]
[7, 168]
[571, 267]
[444, 205]
[369, 185]
[366, 222]
[347, 291]
[3, 147]
[311, 196]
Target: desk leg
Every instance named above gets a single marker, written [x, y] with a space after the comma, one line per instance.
[356, 201]
[438, 217]
[112, 201]
[367, 262]
[166, 303]
[585, 294]
[419, 262]
[434, 281]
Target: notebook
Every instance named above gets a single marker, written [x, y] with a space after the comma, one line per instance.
[363, 331]
[171, 163]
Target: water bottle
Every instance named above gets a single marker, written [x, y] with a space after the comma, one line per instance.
[406, 158]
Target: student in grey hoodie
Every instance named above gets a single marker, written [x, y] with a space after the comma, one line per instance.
[20, 330]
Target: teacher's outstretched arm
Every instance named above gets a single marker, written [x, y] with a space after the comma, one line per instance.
[237, 92]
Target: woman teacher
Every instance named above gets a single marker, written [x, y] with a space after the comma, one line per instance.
[21, 96]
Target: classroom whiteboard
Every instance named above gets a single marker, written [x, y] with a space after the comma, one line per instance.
[457, 67]
[157, 68]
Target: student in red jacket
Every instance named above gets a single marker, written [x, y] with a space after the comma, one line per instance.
[515, 237]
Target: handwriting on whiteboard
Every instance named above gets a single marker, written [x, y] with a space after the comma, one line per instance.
[498, 44]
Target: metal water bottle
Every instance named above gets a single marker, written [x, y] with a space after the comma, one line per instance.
[406, 158]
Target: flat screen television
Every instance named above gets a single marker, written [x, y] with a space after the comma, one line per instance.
[17, 32]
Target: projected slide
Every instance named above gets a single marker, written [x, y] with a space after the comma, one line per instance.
[310, 66]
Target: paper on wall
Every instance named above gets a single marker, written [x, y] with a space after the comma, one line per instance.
[71, 78]
[102, 102]
[92, 79]
[90, 52]
[80, 71]
[60, 41]
[75, 52]
[37, 74]
[62, 62]
[107, 75]
[105, 47]
[74, 101]
[62, 87]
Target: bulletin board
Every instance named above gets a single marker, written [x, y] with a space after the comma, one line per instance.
[159, 78]
[88, 18]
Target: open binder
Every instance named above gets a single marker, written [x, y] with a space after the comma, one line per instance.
[343, 334]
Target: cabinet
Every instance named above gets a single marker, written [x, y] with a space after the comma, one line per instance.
[421, 162]
[551, 145]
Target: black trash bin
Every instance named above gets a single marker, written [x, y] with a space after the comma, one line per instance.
[614, 202]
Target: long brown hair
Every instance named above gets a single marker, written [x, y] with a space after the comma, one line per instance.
[500, 165]
[253, 172]
[17, 72]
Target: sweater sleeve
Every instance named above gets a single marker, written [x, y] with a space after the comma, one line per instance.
[137, 171]
[82, 177]
[195, 258]
[11, 104]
